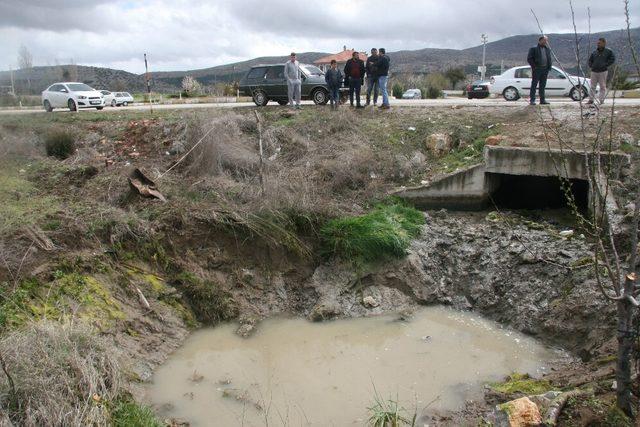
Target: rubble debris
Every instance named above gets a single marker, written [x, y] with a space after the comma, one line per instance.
[144, 186]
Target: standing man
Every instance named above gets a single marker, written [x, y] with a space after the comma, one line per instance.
[354, 70]
[372, 77]
[382, 70]
[539, 58]
[334, 78]
[599, 62]
[294, 81]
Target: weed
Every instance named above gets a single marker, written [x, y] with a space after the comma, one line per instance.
[387, 413]
[59, 144]
[384, 232]
[128, 413]
[63, 374]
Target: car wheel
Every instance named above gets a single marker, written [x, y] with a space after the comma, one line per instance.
[113, 103]
[511, 94]
[125, 103]
[283, 102]
[469, 97]
[99, 108]
[72, 105]
[260, 98]
[320, 96]
[578, 93]
[47, 106]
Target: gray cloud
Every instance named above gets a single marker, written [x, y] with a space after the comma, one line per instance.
[185, 34]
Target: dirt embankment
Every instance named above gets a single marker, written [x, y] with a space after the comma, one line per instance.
[241, 240]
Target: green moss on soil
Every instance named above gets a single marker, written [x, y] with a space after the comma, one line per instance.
[521, 383]
[67, 294]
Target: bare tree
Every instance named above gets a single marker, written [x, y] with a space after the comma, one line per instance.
[615, 251]
[25, 62]
[25, 59]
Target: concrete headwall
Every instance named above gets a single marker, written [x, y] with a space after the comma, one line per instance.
[545, 162]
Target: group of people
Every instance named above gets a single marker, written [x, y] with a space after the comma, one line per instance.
[375, 72]
[539, 58]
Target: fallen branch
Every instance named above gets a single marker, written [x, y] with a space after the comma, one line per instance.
[143, 299]
[557, 404]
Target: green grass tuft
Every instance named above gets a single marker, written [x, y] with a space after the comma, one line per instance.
[385, 232]
[131, 414]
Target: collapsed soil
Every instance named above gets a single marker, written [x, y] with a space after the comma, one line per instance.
[238, 238]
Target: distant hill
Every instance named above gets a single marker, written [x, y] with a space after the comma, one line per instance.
[39, 78]
[510, 51]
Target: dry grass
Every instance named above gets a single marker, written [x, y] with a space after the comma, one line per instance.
[63, 375]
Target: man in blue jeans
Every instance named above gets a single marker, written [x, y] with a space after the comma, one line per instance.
[334, 79]
[539, 58]
[383, 77]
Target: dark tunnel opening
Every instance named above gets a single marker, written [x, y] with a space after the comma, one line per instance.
[536, 192]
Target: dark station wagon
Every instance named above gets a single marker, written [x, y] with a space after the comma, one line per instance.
[264, 83]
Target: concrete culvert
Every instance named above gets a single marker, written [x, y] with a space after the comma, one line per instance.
[538, 192]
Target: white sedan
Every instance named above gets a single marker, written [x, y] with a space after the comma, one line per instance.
[71, 95]
[109, 97]
[516, 83]
[122, 98]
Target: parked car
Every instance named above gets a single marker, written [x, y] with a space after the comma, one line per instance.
[516, 82]
[412, 94]
[108, 97]
[121, 98]
[71, 95]
[478, 89]
[264, 83]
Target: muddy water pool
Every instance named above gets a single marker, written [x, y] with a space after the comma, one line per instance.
[294, 372]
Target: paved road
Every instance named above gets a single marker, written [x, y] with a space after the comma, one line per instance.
[489, 102]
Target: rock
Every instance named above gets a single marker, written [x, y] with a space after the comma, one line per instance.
[517, 413]
[495, 140]
[247, 326]
[566, 233]
[438, 144]
[417, 159]
[324, 311]
[177, 147]
[624, 139]
[370, 302]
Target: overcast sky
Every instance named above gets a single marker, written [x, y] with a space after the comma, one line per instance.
[188, 34]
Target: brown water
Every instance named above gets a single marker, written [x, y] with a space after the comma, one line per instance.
[293, 372]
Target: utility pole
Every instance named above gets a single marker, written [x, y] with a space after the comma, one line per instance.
[146, 67]
[484, 55]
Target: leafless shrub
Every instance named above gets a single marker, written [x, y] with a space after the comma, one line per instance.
[63, 374]
[221, 146]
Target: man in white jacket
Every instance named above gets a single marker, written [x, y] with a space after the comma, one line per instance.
[294, 80]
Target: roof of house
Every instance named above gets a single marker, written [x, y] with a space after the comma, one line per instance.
[343, 56]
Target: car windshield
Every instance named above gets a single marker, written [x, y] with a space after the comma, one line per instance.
[312, 70]
[127, 94]
[79, 87]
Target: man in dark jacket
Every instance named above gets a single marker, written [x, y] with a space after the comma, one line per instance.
[334, 79]
[599, 62]
[539, 58]
[382, 70]
[372, 77]
[354, 70]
